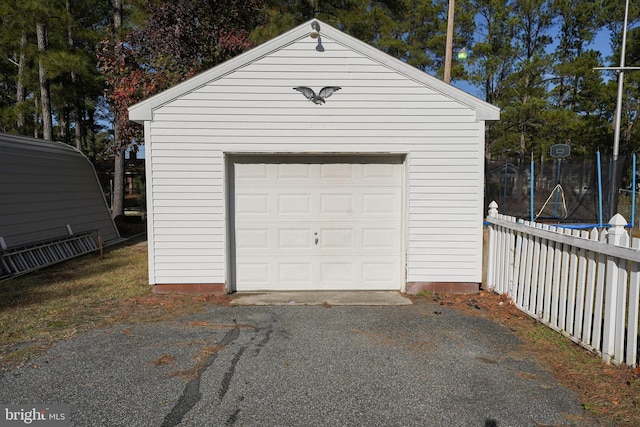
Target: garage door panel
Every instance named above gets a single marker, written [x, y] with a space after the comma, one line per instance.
[378, 273]
[336, 239]
[252, 204]
[376, 238]
[293, 172]
[294, 204]
[301, 238]
[297, 274]
[385, 171]
[337, 204]
[381, 204]
[252, 171]
[336, 273]
[252, 238]
[337, 171]
[253, 274]
[316, 226]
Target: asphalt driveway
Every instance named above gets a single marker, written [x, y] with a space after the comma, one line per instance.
[415, 365]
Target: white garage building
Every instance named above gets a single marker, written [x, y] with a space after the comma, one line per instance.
[252, 186]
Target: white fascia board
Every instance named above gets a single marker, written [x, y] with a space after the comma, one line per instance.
[143, 111]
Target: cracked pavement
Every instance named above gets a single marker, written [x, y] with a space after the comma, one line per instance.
[299, 365]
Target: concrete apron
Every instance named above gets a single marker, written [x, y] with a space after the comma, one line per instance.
[321, 298]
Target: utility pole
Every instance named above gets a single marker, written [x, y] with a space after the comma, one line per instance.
[623, 51]
[448, 54]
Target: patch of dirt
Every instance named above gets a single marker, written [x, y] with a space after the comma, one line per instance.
[157, 307]
[210, 325]
[165, 359]
[200, 358]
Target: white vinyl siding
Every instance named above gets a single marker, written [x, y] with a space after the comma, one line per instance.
[253, 109]
[188, 204]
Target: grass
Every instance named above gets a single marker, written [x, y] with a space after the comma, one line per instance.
[89, 292]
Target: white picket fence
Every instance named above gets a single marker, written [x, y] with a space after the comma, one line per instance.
[584, 284]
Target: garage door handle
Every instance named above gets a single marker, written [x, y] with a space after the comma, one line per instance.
[316, 234]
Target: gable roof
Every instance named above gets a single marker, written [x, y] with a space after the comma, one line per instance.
[143, 111]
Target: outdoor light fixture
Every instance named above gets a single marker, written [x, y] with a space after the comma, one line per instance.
[315, 32]
[462, 54]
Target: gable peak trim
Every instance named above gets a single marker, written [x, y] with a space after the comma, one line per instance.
[143, 110]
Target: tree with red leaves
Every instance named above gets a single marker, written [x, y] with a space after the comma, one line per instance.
[179, 39]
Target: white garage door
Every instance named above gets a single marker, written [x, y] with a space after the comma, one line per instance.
[318, 225]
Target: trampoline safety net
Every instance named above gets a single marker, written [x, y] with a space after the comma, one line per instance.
[571, 190]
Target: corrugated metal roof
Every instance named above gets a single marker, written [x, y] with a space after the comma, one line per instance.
[45, 186]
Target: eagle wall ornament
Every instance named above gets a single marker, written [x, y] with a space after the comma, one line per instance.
[318, 99]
